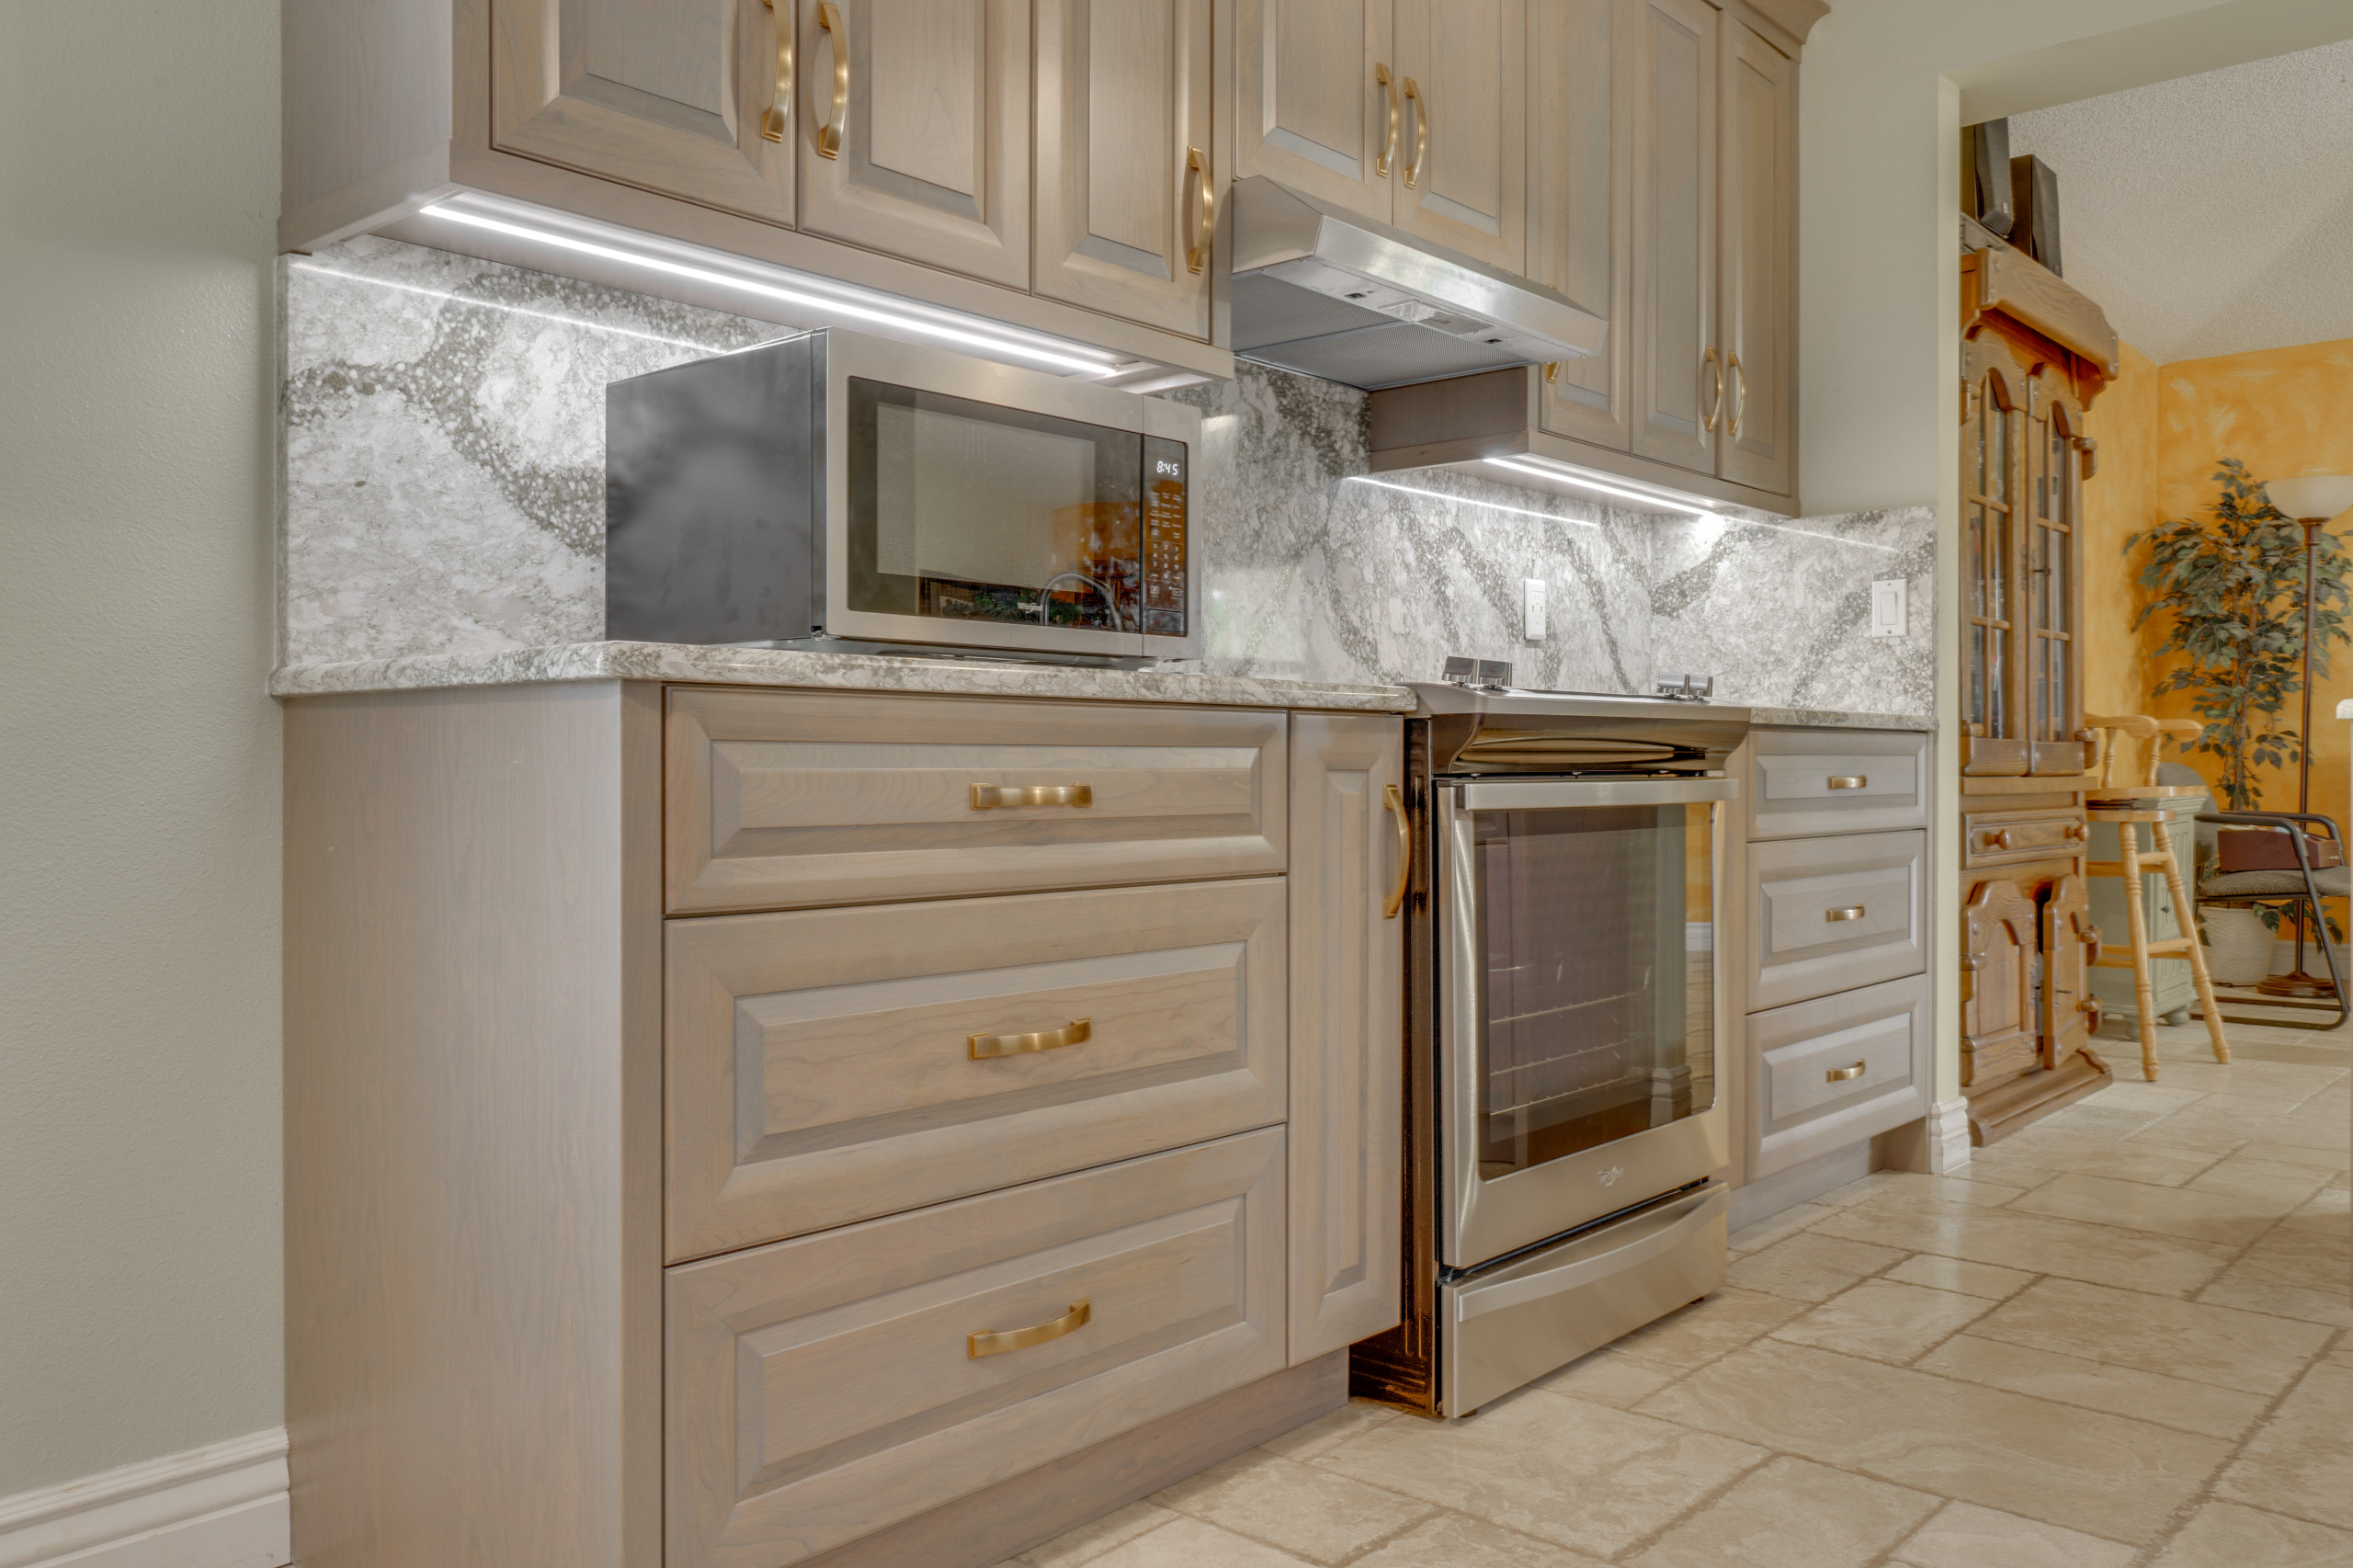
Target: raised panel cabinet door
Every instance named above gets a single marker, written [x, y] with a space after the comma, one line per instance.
[1997, 952]
[1580, 203]
[689, 98]
[1756, 262]
[1462, 134]
[1678, 364]
[2069, 941]
[1346, 1066]
[1311, 107]
[1125, 189]
[914, 130]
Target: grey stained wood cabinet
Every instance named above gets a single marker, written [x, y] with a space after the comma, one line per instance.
[1580, 109]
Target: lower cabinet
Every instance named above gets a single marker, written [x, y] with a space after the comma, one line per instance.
[1840, 1068]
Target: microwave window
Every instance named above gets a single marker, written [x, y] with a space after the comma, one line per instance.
[965, 511]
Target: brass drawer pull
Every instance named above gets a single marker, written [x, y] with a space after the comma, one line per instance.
[983, 1047]
[779, 110]
[1420, 100]
[1396, 804]
[988, 797]
[1840, 1075]
[996, 1342]
[1197, 168]
[1849, 780]
[1382, 78]
[829, 135]
[1709, 361]
[1740, 393]
[1852, 911]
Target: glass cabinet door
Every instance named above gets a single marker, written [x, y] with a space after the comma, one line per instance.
[2051, 581]
[1989, 493]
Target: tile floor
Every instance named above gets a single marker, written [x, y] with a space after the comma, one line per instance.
[2121, 1339]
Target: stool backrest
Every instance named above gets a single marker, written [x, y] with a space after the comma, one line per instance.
[2112, 729]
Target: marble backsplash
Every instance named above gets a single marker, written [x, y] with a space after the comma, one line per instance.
[443, 493]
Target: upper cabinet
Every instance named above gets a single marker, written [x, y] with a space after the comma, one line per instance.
[1757, 261]
[1580, 114]
[1316, 99]
[1678, 368]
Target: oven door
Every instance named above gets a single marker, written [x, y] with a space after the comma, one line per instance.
[1578, 1013]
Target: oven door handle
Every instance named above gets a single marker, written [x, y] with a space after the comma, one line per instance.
[1712, 1205]
[1541, 794]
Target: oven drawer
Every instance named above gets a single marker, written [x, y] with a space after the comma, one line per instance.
[1828, 914]
[1804, 783]
[1837, 1070]
[786, 799]
[818, 1390]
[2012, 839]
[825, 1066]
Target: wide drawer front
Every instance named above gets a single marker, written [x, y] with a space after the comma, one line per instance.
[789, 799]
[1833, 913]
[817, 1390]
[1833, 1071]
[2007, 838]
[1815, 781]
[825, 1066]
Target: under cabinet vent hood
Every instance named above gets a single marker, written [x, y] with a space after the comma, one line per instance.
[1332, 295]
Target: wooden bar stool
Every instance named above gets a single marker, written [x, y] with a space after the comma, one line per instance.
[2121, 805]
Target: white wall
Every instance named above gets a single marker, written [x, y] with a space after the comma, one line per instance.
[139, 1041]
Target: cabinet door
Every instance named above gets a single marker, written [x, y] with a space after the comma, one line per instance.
[1124, 182]
[1580, 229]
[921, 146]
[655, 93]
[2067, 938]
[1463, 138]
[1346, 1063]
[1756, 260]
[1310, 109]
[1997, 1022]
[1678, 367]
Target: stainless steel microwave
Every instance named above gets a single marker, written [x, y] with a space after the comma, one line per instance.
[835, 490]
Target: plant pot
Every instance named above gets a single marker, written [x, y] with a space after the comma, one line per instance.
[2238, 945]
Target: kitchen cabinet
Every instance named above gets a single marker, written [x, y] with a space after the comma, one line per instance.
[1757, 261]
[1317, 104]
[1679, 371]
[1580, 112]
[1463, 79]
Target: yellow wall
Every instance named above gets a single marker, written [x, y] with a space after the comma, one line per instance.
[2120, 500]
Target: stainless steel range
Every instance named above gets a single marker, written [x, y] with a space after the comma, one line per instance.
[1564, 1126]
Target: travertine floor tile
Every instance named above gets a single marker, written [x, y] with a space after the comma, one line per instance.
[2261, 1179]
[2318, 1259]
[2221, 1125]
[2006, 1169]
[1808, 1267]
[2089, 1471]
[1329, 1431]
[1966, 1536]
[2039, 1244]
[1457, 1541]
[2113, 1121]
[1190, 1543]
[1306, 1511]
[2193, 1340]
[2325, 1212]
[1577, 1474]
[1793, 1513]
[1885, 1322]
[2070, 1154]
[2097, 1385]
[2301, 1462]
[2227, 1535]
[1940, 1273]
[2221, 1217]
[1905, 1187]
[2235, 1289]
[2157, 1099]
[1699, 1334]
[1090, 1541]
[1607, 1378]
[2332, 1160]
[1774, 1227]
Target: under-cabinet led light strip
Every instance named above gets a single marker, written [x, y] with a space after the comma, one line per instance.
[972, 333]
[1570, 476]
[1470, 501]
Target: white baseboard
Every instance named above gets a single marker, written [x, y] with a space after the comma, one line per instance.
[223, 1506]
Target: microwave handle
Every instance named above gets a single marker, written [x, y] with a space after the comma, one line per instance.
[1542, 794]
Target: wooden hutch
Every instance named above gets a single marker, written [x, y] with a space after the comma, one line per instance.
[2035, 353]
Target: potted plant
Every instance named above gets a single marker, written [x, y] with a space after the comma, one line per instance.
[2232, 584]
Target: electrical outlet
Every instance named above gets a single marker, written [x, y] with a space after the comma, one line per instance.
[1888, 607]
[1533, 617]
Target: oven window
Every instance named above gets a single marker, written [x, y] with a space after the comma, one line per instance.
[1597, 1010]
[966, 511]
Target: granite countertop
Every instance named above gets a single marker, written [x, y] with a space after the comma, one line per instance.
[848, 672]
[1838, 719]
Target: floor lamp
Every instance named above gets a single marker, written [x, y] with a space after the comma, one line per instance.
[2312, 502]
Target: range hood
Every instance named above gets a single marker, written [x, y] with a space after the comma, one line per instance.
[1329, 294]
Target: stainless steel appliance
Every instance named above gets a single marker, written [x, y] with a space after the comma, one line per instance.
[831, 489]
[1563, 1118]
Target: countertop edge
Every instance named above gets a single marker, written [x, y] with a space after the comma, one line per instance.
[1837, 719]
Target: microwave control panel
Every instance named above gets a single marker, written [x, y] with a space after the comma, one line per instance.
[1164, 537]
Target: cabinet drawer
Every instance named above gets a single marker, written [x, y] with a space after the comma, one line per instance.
[1817, 782]
[1810, 1096]
[2011, 838]
[817, 1390]
[788, 800]
[825, 1066]
[1832, 914]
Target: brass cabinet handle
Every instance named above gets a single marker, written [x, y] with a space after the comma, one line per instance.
[1716, 401]
[986, 1047]
[988, 797]
[1852, 911]
[996, 1342]
[1197, 168]
[1396, 804]
[1421, 103]
[829, 135]
[1739, 391]
[1849, 780]
[779, 110]
[1840, 1075]
[1552, 372]
[1389, 143]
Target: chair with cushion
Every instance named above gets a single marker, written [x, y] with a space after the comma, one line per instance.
[2300, 887]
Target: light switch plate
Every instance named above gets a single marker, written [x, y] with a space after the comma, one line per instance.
[1532, 620]
[1888, 607]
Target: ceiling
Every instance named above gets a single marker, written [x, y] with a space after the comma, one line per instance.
[2211, 214]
